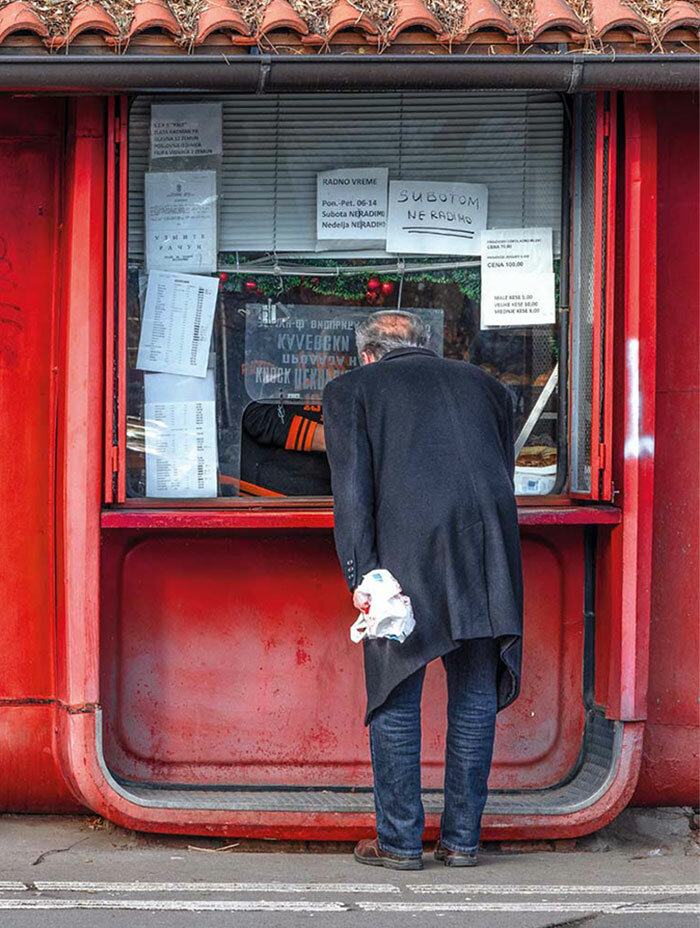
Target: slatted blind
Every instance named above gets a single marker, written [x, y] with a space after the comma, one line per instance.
[274, 147]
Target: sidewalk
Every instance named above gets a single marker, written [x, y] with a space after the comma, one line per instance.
[640, 872]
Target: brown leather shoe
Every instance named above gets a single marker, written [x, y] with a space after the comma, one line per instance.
[368, 851]
[454, 858]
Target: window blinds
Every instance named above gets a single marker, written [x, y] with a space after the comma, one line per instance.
[274, 147]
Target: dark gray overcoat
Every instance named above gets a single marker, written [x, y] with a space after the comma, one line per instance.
[421, 455]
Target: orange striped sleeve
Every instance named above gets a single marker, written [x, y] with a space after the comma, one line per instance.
[310, 435]
[293, 432]
[302, 434]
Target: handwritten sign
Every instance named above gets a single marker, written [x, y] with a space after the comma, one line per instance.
[292, 351]
[517, 280]
[181, 221]
[435, 218]
[185, 130]
[351, 204]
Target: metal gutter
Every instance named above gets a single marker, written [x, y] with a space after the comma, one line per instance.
[255, 73]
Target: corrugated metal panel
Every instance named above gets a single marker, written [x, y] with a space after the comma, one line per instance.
[274, 147]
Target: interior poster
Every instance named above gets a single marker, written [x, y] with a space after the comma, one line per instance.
[517, 278]
[435, 218]
[181, 221]
[351, 206]
[185, 130]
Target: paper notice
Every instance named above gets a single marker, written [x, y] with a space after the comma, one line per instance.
[517, 299]
[176, 325]
[524, 251]
[435, 218]
[517, 281]
[181, 221]
[351, 204]
[185, 130]
[181, 456]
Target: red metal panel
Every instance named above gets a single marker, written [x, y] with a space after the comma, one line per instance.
[228, 660]
[630, 547]
[671, 767]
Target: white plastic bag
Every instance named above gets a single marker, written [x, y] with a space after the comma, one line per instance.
[390, 612]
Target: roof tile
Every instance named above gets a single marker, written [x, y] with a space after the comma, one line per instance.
[281, 15]
[412, 14]
[153, 14]
[485, 14]
[90, 18]
[19, 17]
[344, 15]
[680, 14]
[555, 14]
[614, 14]
[219, 16]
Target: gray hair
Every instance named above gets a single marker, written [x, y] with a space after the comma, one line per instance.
[388, 329]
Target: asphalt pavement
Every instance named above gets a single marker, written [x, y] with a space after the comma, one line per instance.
[72, 872]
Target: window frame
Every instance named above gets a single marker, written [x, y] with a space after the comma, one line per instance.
[603, 291]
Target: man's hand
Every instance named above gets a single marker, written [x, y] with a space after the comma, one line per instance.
[361, 601]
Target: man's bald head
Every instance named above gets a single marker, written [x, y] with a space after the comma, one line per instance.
[388, 329]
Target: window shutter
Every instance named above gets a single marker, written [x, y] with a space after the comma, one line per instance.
[274, 146]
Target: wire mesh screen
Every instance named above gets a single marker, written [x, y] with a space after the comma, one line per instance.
[582, 290]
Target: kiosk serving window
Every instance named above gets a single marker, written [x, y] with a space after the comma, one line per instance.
[261, 230]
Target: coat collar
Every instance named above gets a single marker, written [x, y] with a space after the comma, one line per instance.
[402, 352]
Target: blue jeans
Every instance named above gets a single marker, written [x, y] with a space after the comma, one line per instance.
[395, 740]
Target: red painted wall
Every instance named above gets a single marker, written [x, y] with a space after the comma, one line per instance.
[671, 767]
[31, 150]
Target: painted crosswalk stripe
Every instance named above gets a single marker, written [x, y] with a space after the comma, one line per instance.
[11, 886]
[375, 906]
[543, 890]
[138, 886]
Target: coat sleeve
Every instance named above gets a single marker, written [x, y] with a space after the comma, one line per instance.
[350, 457]
[508, 435]
[294, 432]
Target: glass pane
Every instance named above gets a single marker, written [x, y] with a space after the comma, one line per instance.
[225, 381]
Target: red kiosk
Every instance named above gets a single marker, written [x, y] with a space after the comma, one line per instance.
[179, 660]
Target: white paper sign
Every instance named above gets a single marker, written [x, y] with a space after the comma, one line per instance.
[176, 325]
[185, 130]
[181, 457]
[181, 221]
[517, 299]
[351, 204]
[435, 218]
[524, 251]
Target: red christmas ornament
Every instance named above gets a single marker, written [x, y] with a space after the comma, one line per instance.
[314, 280]
[223, 278]
[387, 288]
[373, 285]
[370, 296]
[251, 285]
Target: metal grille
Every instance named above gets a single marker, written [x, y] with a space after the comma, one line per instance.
[582, 293]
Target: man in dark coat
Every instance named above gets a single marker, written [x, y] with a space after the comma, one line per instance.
[422, 461]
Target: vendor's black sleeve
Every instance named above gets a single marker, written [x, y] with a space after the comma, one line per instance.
[350, 457]
[293, 431]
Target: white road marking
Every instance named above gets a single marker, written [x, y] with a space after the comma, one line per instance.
[73, 886]
[304, 905]
[543, 890]
[11, 886]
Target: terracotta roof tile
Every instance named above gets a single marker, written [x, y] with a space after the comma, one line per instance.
[153, 14]
[312, 24]
[411, 14]
[90, 18]
[344, 15]
[614, 14]
[281, 15]
[19, 17]
[217, 17]
[485, 14]
[680, 14]
[555, 14]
